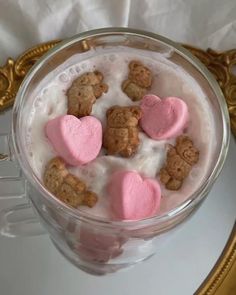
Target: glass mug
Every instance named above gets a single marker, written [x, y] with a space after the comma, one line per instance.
[93, 244]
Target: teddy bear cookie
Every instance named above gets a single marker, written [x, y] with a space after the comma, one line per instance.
[121, 133]
[83, 93]
[180, 159]
[65, 186]
[138, 82]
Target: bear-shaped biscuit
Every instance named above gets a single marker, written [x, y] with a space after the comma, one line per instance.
[139, 74]
[65, 186]
[180, 160]
[139, 80]
[121, 133]
[186, 149]
[83, 93]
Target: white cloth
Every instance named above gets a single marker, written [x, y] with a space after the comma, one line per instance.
[205, 23]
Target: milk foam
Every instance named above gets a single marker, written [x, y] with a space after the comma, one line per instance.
[169, 80]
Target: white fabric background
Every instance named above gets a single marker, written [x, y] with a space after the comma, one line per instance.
[205, 23]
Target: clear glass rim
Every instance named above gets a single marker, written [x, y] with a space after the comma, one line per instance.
[193, 200]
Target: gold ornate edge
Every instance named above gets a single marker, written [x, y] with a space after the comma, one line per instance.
[13, 72]
[222, 278]
[221, 65]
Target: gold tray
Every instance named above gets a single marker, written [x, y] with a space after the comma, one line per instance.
[222, 279]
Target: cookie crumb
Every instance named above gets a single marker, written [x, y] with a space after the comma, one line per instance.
[90, 199]
[164, 176]
[174, 184]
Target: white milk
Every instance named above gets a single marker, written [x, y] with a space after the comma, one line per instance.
[169, 80]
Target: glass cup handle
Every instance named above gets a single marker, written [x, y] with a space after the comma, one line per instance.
[20, 219]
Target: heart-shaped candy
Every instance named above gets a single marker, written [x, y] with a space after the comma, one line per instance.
[77, 141]
[163, 118]
[133, 197]
[97, 246]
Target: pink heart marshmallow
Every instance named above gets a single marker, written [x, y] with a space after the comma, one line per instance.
[95, 246]
[133, 197]
[77, 141]
[163, 118]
